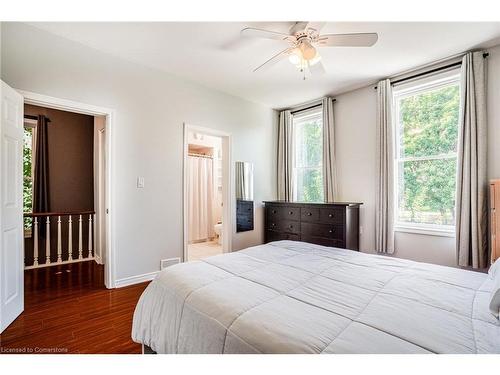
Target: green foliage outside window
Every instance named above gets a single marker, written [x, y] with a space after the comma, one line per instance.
[428, 128]
[309, 155]
[27, 175]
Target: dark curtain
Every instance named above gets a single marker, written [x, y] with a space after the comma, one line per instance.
[41, 174]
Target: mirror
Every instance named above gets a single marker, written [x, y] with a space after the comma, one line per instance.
[244, 196]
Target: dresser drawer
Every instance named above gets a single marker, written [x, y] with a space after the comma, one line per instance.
[283, 213]
[244, 206]
[291, 213]
[331, 215]
[290, 226]
[323, 230]
[274, 213]
[244, 224]
[272, 235]
[309, 214]
[324, 241]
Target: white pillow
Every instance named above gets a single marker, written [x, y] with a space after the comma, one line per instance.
[494, 269]
[494, 273]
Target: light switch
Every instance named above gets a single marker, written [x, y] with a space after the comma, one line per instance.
[140, 182]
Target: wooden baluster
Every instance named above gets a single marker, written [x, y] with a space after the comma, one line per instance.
[80, 246]
[35, 241]
[90, 235]
[47, 240]
[59, 241]
[70, 238]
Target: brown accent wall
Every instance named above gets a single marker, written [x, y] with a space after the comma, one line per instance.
[71, 177]
[71, 150]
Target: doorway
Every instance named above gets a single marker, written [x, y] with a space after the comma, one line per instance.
[207, 215]
[16, 130]
[97, 243]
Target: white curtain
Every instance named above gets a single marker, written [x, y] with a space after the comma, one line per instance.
[329, 164]
[239, 173]
[384, 219]
[471, 206]
[244, 180]
[201, 198]
[285, 156]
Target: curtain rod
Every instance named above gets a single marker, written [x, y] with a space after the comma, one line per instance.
[310, 107]
[485, 55]
[200, 155]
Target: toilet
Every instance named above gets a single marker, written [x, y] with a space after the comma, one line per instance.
[218, 232]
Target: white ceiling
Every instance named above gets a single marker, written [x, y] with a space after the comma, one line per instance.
[213, 53]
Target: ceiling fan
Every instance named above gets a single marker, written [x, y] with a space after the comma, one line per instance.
[303, 42]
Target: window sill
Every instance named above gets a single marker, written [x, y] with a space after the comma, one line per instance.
[425, 231]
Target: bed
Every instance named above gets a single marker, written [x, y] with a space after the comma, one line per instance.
[295, 297]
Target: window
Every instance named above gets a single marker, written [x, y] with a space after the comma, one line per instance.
[426, 122]
[28, 168]
[308, 139]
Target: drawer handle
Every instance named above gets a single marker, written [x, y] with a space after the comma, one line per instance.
[249, 209]
[274, 211]
[309, 214]
[273, 225]
[331, 231]
[290, 212]
[291, 226]
[330, 215]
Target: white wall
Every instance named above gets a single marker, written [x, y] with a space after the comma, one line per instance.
[355, 118]
[151, 108]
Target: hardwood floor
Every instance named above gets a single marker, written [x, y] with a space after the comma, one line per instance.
[68, 310]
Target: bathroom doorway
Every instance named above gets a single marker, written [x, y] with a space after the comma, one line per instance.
[206, 193]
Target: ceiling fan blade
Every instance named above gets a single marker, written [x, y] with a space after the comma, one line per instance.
[301, 26]
[317, 69]
[273, 60]
[316, 26]
[298, 26]
[267, 34]
[348, 40]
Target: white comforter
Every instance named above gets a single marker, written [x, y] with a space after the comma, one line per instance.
[294, 297]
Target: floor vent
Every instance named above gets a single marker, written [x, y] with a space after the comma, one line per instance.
[164, 263]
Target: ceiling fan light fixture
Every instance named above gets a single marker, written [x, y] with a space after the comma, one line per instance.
[316, 59]
[295, 57]
[307, 49]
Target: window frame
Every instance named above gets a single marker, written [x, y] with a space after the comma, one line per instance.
[299, 117]
[31, 124]
[405, 90]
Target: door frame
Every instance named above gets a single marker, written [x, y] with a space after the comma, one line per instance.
[100, 194]
[92, 110]
[227, 186]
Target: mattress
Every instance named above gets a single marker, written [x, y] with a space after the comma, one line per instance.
[295, 297]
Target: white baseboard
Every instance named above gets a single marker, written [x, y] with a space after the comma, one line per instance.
[131, 280]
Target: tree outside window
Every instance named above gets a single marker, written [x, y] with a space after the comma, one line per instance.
[426, 153]
[308, 138]
[29, 132]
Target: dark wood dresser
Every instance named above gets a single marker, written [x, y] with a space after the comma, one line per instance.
[244, 215]
[327, 224]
